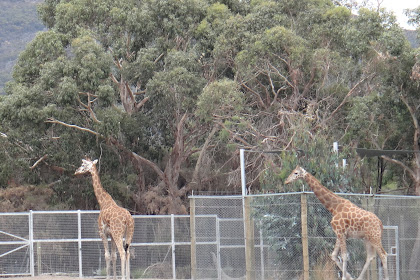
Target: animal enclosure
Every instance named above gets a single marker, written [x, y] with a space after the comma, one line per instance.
[290, 236]
[285, 235]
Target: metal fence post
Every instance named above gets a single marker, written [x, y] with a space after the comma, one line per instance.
[218, 259]
[370, 206]
[79, 236]
[193, 241]
[173, 246]
[304, 222]
[31, 244]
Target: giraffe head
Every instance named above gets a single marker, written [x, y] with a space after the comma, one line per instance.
[296, 174]
[86, 166]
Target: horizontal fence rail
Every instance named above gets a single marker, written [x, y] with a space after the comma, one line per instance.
[67, 242]
[224, 237]
[291, 231]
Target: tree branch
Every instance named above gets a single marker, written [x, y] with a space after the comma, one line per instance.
[52, 120]
[402, 165]
[39, 161]
[113, 141]
[344, 101]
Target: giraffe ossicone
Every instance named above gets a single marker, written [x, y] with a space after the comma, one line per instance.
[113, 221]
[348, 220]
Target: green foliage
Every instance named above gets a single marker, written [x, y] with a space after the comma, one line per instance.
[266, 74]
[47, 46]
[220, 98]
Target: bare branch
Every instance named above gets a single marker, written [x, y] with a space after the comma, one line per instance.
[39, 161]
[158, 58]
[415, 123]
[52, 120]
[402, 165]
[141, 103]
[88, 107]
[114, 79]
[344, 101]
[259, 99]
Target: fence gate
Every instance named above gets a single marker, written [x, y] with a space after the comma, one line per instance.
[390, 244]
[15, 244]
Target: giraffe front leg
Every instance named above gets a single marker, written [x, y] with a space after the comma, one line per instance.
[107, 255]
[341, 265]
[344, 256]
[114, 258]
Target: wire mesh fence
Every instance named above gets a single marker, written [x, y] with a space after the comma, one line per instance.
[228, 237]
[278, 237]
[67, 242]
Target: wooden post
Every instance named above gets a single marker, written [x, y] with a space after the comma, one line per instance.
[249, 240]
[304, 222]
[370, 201]
[193, 240]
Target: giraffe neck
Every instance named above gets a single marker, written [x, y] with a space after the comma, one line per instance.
[329, 199]
[104, 199]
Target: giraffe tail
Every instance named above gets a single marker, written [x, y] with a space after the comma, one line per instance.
[129, 231]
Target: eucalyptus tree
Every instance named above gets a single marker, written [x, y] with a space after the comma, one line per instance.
[167, 91]
[123, 77]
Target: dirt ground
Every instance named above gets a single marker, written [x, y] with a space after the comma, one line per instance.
[47, 277]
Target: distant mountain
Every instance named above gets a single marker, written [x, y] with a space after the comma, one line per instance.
[19, 23]
[411, 36]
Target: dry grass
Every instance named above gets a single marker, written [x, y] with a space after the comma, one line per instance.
[325, 269]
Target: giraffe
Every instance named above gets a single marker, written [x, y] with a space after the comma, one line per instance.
[348, 221]
[113, 221]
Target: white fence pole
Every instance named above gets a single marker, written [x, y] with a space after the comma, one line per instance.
[79, 236]
[173, 246]
[218, 260]
[31, 244]
[243, 181]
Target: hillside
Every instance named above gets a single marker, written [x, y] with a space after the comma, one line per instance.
[19, 22]
[411, 36]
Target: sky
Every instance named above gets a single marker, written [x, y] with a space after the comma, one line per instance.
[398, 6]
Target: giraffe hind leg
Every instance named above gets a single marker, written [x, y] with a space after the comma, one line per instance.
[123, 259]
[370, 255]
[107, 255]
[127, 263]
[383, 256]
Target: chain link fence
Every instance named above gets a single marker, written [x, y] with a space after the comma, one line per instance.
[225, 237]
[67, 242]
[284, 237]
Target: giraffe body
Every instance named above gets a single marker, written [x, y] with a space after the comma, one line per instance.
[348, 221]
[113, 221]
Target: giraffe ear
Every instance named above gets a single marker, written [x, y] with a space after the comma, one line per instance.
[95, 161]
